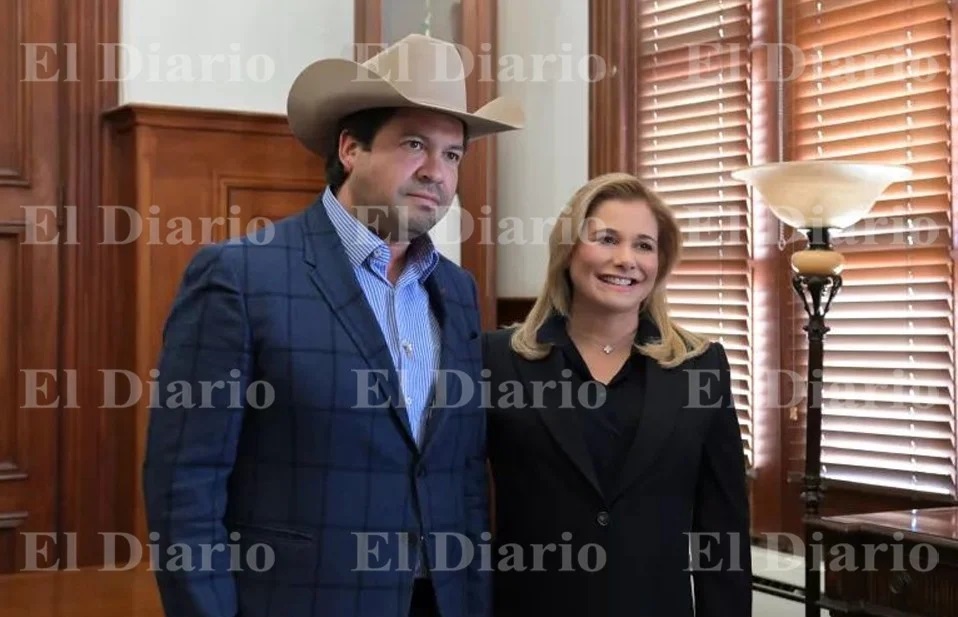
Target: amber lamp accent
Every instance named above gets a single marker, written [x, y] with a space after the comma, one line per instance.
[818, 198]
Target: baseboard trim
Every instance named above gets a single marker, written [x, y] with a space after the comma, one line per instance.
[778, 589]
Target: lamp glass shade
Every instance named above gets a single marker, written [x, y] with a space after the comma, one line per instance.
[821, 194]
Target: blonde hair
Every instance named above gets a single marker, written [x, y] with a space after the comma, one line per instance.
[676, 344]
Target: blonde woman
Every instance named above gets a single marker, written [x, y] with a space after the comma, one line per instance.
[616, 455]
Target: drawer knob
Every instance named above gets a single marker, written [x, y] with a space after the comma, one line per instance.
[899, 582]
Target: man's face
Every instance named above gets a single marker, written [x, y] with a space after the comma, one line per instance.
[405, 183]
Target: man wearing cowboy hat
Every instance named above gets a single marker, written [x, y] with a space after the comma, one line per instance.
[359, 489]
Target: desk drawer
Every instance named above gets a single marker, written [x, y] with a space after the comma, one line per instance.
[875, 575]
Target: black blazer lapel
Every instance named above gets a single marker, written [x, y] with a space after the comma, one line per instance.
[665, 398]
[332, 273]
[542, 381]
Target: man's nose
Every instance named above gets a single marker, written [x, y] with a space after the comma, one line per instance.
[431, 170]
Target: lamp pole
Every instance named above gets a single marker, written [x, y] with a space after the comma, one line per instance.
[816, 281]
[815, 197]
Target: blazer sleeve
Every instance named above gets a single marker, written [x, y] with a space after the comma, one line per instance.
[721, 547]
[192, 436]
[477, 498]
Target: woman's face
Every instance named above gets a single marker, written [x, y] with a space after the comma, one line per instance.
[614, 265]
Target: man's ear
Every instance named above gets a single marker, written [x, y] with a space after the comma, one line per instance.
[348, 148]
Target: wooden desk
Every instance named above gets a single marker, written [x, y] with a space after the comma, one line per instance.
[891, 564]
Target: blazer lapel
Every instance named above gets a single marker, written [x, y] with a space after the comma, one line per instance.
[562, 422]
[332, 273]
[664, 399]
[447, 386]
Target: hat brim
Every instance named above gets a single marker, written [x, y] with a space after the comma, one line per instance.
[327, 90]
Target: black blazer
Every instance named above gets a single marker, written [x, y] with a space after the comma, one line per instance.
[685, 473]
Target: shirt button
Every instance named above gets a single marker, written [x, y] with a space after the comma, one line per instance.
[409, 400]
[602, 518]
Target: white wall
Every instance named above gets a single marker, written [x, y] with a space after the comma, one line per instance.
[239, 55]
[261, 48]
[540, 166]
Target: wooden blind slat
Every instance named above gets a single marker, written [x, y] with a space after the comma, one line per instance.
[851, 36]
[846, 11]
[853, 96]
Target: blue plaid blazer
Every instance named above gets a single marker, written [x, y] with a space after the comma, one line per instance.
[283, 464]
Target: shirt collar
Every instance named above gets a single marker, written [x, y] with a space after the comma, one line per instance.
[363, 246]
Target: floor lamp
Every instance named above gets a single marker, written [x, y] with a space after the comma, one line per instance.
[818, 198]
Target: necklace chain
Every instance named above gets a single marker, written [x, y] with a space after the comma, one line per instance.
[606, 348]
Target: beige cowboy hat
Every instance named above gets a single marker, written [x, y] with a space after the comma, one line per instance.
[417, 71]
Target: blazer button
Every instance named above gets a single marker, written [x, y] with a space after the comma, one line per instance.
[602, 518]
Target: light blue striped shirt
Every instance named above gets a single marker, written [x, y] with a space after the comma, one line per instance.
[413, 341]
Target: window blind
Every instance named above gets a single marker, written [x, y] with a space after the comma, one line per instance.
[693, 129]
[873, 85]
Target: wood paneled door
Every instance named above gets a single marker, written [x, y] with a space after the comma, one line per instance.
[29, 275]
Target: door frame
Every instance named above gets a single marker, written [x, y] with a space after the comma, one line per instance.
[96, 464]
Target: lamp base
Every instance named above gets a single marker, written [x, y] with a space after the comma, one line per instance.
[818, 262]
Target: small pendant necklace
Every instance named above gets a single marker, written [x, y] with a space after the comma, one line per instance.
[607, 348]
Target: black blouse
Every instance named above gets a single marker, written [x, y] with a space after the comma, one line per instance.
[609, 413]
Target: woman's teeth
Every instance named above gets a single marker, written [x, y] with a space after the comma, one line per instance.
[615, 280]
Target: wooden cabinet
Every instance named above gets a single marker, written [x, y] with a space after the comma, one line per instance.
[902, 563]
[188, 177]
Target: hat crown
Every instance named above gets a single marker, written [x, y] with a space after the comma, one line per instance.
[423, 69]
[418, 71]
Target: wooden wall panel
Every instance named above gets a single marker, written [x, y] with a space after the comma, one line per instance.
[94, 468]
[247, 202]
[11, 429]
[14, 97]
[9, 343]
[28, 399]
[512, 310]
[29, 276]
[211, 172]
[477, 180]
[612, 132]
[10, 529]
